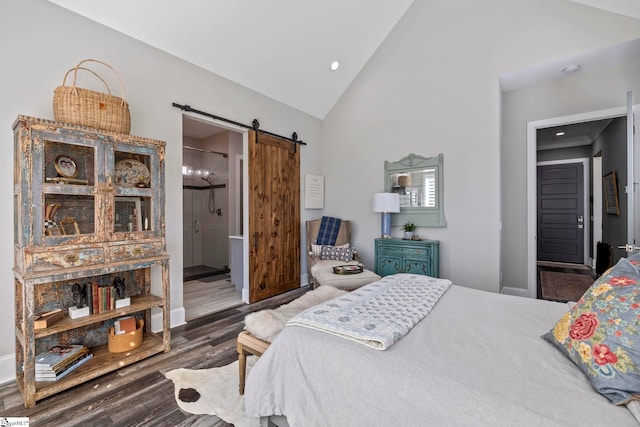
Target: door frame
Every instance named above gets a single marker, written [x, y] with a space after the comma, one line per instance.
[596, 163]
[532, 128]
[585, 200]
[245, 193]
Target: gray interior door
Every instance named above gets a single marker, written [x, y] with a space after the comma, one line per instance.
[561, 213]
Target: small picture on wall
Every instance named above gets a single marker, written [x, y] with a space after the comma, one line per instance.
[610, 186]
[313, 191]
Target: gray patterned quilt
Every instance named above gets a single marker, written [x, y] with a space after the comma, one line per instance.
[378, 314]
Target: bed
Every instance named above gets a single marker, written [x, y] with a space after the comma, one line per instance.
[476, 359]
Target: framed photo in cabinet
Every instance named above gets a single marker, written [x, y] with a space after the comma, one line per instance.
[68, 226]
[128, 216]
[66, 166]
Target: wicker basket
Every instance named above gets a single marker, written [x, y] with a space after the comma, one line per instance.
[84, 107]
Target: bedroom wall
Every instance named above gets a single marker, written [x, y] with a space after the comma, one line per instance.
[39, 41]
[432, 87]
[583, 92]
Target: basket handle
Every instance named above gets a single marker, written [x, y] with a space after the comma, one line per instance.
[106, 65]
[86, 69]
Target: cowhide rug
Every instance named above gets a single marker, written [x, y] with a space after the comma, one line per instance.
[213, 391]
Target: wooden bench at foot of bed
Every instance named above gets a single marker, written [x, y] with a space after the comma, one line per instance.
[268, 323]
[248, 344]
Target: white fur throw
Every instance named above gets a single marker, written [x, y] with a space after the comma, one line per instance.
[266, 324]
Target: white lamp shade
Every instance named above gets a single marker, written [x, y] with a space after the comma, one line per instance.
[386, 202]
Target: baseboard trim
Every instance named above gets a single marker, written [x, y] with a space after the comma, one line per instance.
[177, 319]
[7, 368]
[518, 292]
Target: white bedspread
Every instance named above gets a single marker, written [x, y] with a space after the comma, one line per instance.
[476, 360]
[378, 314]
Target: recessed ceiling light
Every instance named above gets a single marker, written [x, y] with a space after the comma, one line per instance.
[559, 133]
[571, 68]
[335, 65]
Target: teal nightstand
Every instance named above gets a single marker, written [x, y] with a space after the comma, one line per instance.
[407, 256]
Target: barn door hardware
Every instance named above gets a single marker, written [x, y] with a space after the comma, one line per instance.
[255, 124]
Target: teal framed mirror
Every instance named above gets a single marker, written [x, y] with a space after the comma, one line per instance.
[419, 182]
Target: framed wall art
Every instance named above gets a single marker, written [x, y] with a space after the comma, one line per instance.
[313, 191]
[610, 187]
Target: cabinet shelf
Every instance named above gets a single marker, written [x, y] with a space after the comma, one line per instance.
[102, 363]
[138, 303]
[67, 189]
[133, 191]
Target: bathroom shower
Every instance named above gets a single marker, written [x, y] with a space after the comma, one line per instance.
[205, 213]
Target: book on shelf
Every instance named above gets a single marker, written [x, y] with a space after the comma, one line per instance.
[55, 376]
[90, 297]
[124, 325]
[54, 372]
[44, 320]
[94, 291]
[57, 368]
[101, 298]
[57, 355]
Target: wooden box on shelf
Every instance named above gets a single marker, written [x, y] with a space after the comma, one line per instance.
[72, 188]
[44, 320]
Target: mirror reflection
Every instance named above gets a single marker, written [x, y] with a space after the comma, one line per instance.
[416, 189]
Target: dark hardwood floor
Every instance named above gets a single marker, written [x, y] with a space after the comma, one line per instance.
[139, 394]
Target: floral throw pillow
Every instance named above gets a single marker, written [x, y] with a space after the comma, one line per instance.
[601, 333]
[337, 253]
[317, 249]
[634, 259]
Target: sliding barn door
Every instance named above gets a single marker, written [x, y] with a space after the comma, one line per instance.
[274, 216]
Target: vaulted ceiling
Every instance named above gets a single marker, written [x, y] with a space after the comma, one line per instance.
[279, 48]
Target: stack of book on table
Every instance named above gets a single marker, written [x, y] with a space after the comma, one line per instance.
[60, 360]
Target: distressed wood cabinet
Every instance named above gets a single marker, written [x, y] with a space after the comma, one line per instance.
[88, 207]
[394, 256]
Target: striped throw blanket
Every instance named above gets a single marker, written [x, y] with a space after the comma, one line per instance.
[378, 314]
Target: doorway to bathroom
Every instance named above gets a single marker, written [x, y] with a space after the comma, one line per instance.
[207, 217]
[204, 187]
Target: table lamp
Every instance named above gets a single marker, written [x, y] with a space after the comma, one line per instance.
[386, 203]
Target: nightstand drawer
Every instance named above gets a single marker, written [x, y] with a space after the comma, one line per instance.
[404, 251]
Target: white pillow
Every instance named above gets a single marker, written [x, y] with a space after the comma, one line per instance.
[267, 324]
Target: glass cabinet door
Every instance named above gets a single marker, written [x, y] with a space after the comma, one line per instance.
[134, 174]
[68, 210]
